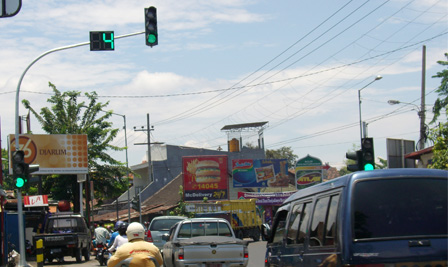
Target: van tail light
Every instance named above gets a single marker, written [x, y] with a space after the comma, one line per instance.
[180, 254]
[246, 253]
[149, 237]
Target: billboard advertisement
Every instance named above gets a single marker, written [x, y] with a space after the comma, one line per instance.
[205, 176]
[55, 153]
[260, 173]
[308, 172]
[270, 198]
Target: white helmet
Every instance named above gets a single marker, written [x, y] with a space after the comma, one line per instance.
[135, 231]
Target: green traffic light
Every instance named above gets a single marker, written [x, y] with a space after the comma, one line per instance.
[152, 38]
[369, 167]
[20, 182]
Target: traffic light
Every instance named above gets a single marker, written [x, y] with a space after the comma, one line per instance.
[19, 169]
[102, 41]
[368, 156]
[357, 157]
[151, 36]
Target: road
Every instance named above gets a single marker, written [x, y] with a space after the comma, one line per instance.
[256, 258]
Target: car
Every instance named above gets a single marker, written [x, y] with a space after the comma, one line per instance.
[392, 217]
[160, 226]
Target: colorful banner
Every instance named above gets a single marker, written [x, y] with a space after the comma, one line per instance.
[55, 153]
[273, 198]
[308, 172]
[205, 176]
[260, 173]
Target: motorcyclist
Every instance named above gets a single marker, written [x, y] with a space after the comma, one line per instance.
[137, 250]
[114, 234]
[120, 239]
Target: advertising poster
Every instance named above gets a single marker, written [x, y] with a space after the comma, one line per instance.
[205, 176]
[260, 173]
[308, 172]
[55, 153]
[266, 199]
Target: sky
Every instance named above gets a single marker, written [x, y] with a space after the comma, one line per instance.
[298, 65]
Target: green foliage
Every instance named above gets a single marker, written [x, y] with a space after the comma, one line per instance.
[439, 136]
[442, 101]
[180, 210]
[64, 116]
[282, 153]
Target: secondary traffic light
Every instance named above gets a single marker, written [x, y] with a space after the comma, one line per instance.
[368, 156]
[357, 157]
[102, 41]
[151, 36]
[19, 169]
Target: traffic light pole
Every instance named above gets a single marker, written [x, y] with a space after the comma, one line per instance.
[22, 262]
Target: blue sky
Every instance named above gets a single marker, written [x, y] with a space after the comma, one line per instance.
[296, 64]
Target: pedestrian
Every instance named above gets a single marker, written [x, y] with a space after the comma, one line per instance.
[137, 251]
[120, 239]
[101, 235]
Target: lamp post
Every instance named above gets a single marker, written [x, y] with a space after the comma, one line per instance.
[359, 102]
[127, 163]
[421, 115]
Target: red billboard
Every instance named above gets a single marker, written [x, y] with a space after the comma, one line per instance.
[205, 176]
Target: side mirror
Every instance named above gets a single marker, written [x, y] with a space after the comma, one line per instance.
[265, 231]
[165, 237]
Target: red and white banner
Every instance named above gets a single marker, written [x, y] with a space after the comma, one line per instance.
[35, 201]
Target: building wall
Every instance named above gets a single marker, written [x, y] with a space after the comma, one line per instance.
[166, 170]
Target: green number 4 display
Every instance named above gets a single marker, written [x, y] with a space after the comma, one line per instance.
[102, 41]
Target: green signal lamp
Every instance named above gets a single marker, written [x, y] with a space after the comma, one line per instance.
[152, 38]
[369, 167]
[20, 182]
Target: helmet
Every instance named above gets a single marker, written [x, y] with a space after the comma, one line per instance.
[122, 228]
[117, 225]
[135, 231]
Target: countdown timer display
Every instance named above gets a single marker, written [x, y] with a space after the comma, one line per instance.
[102, 41]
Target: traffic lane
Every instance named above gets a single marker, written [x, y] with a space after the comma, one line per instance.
[68, 261]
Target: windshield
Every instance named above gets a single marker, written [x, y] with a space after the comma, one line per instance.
[390, 208]
[163, 225]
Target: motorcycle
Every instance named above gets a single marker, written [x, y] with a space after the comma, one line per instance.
[102, 254]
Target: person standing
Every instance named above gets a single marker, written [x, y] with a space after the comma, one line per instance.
[137, 252]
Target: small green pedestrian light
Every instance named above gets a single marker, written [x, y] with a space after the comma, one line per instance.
[152, 38]
[368, 167]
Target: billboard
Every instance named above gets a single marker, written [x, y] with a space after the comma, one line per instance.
[260, 173]
[308, 172]
[205, 176]
[266, 198]
[55, 153]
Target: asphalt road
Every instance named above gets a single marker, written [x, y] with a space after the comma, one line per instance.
[257, 252]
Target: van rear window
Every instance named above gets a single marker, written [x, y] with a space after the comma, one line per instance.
[390, 208]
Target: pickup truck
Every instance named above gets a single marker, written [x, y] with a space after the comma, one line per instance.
[65, 235]
[208, 242]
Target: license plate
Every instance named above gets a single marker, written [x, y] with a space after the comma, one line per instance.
[55, 250]
[213, 265]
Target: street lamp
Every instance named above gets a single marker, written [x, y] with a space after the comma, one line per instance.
[421, 115]
[359, 102]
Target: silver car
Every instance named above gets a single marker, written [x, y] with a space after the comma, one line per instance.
[160, 226]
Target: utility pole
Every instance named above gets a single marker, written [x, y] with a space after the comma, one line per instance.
[422, 140]
[148, 132]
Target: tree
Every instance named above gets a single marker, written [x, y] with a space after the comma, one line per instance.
[439, 134]
[441, 102]
[65, 116]
[282, 153]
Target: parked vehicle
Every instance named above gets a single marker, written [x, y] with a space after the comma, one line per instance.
[395, 217]
[65, 234]
[102, 254]
[160, 226]
[242, 214]
[204, 242]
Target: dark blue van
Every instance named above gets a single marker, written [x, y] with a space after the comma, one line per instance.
[380, 218]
